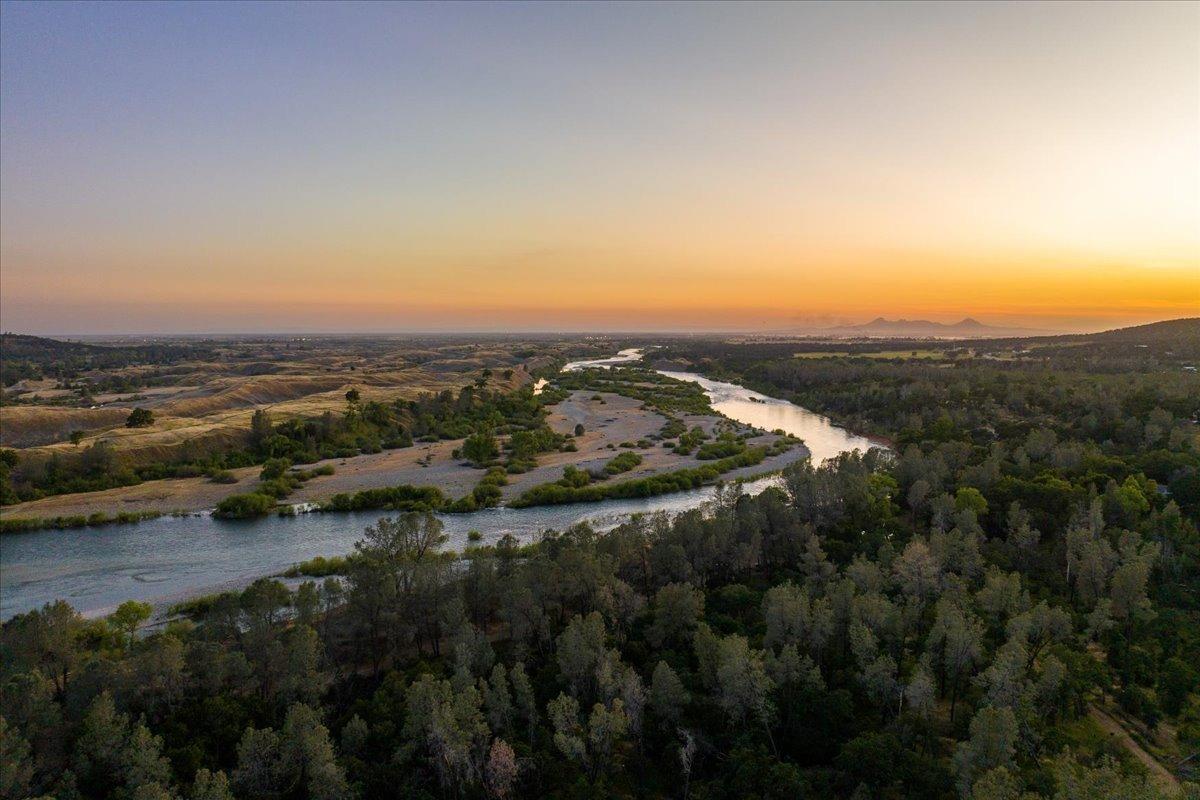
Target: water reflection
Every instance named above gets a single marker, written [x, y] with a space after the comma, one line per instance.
[169, 558]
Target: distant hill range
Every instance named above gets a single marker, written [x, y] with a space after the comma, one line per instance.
[1172, 331]
[925, 329]
[23, 356]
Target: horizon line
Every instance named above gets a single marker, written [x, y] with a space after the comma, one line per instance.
[798, 333]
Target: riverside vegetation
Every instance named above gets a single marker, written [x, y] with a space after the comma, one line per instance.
[955, 620]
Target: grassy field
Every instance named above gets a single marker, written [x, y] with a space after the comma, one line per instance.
[207, 403]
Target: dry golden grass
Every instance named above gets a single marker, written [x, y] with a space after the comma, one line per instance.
[220, 418]
[23, 426]
[231, 393]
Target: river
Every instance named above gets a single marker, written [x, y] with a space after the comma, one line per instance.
[171, 558]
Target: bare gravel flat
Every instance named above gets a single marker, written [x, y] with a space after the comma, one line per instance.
[607, 423]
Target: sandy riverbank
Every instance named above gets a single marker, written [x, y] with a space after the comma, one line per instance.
[607, 424]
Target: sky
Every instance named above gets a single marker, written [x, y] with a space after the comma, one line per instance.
[347, 167]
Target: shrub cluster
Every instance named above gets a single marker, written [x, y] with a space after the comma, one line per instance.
[676, 481]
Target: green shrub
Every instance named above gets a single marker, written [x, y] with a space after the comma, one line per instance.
[318, 567]
[463, 505]
[244, 506]
[487, 494]
[677, 481]
[690, 441]
[574, 477]
[396, 498]
[274, 468]
[725, 446]
[22, 524]
[622, 463]
[278, 488]
[139, 418]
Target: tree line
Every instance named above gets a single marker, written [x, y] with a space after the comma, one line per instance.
[840, 634]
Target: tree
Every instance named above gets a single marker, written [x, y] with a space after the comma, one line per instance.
[1000, 783]
[880, 680]
[668, 697]
[875, 759]
[1128, 587]
[743, 686]
[1004, 681]
[786, 613]
[1175, 682]
[308, 603]
[706, 645]
[16, 765]
[210, 786]
[677, 610]
[353, 396]
[260, 768]
[143, 759]
[261, 429]
[1022, 537]
[579, 429]
[308, 757]
[501, 769]
[606, 726]
[920, 693]
[563, 712]
[970, 498]
[524, 700]
[139, 418]
[152, 791]
[46, 639]
[1040, 626]
[917, 571]
[1107, 781]
[480, 448]
[957, 636]
[472, 652]
[1001, 595]
[355, 735]
[591, 746]
[128, 617]
[992, 744]
[1050, 685]
[100, 754]
[274, 468]
[100, 459]
[301, 677]
[633, 695]
[580, 651]
[449, 727]
[77, 437]
[794, 671]
[497, 699]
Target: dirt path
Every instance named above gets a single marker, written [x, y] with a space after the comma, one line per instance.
[1160, 774]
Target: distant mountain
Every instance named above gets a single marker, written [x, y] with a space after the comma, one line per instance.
[968, 328]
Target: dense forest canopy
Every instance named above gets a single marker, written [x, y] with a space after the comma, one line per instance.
[967, 615]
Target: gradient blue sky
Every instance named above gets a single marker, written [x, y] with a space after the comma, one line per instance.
[239, 167]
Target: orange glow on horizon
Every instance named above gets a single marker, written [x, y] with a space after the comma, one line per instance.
[1019, 162]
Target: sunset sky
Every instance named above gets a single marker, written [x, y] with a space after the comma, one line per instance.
[339, 167]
